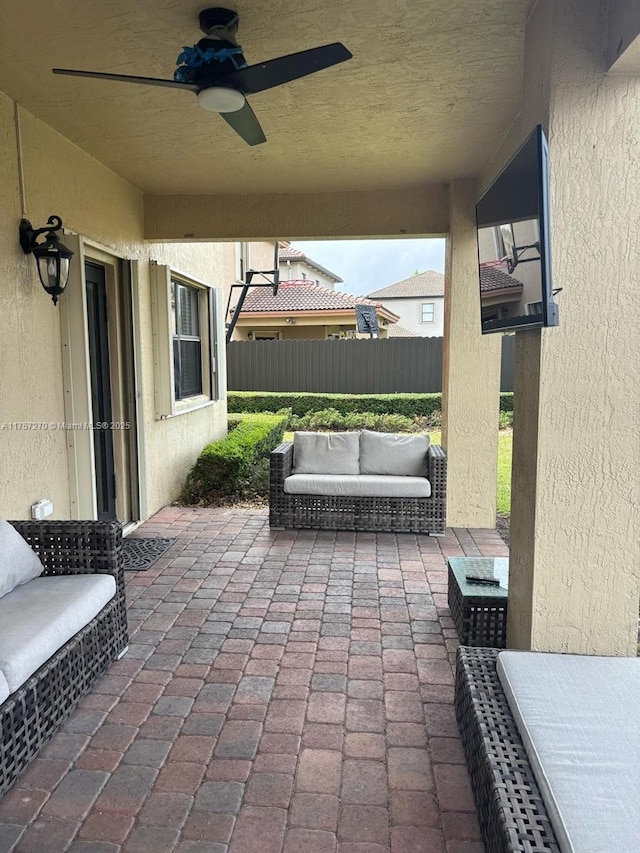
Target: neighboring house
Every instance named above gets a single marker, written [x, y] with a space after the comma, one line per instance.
[398, 331]
[304, 310]
[501, 293]
[418, 301]
[296, 266]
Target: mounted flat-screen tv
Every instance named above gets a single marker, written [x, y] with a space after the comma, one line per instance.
[514, 260]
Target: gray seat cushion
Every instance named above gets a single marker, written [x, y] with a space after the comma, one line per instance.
[361, 485]
[40, 616]
[579, 720]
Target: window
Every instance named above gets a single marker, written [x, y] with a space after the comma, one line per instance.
[187, 326]
[265, 335]
[427, 314]
[187, 343]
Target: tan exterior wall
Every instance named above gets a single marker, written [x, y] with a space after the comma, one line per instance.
[575, 497]
[471, 376]
[381, 213]
[93, 202]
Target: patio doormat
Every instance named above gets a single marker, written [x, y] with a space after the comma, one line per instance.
[140, 554]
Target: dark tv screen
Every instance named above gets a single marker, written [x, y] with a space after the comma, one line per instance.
[514, 262]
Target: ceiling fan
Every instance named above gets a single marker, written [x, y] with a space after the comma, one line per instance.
[216, 71]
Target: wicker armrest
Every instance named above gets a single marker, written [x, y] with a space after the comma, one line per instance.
[76, 547]
[437, 470]
[282, 461]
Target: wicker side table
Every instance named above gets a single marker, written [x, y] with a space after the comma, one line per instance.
[479, 611]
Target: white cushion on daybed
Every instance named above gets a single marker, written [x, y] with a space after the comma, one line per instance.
[40, 616]
[326, 453]
[361, 485]
[579, 720]
[388, 453]
[18, 562]
[4, 688]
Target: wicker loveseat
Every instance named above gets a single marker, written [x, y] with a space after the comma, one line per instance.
[32, 712]
[359, 481]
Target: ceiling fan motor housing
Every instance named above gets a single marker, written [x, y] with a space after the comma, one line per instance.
[216, 17]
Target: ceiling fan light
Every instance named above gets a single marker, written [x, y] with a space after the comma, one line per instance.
[220, 99]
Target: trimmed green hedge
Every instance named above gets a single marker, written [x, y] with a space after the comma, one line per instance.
[409, 405]
[304, 404]
[224, 467]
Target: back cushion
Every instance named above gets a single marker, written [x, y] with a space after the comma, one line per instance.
[385, 453]
[18, 562]
[326, 453]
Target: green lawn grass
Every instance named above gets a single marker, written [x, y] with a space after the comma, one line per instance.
[505, 443]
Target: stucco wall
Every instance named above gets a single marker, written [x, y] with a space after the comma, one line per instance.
[415, 210]
[295, 270]
[575, 552]
[409, 309]
[93, 202]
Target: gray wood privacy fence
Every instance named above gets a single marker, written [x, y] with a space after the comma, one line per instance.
[369, 366]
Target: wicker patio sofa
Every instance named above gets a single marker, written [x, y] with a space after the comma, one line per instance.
[511, 812]
[381, 512]
[33, 712]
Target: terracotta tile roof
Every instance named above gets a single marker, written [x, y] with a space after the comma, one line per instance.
[398, 331]
[429, 283]
[303, 295]
[288, 253]
[493, 278]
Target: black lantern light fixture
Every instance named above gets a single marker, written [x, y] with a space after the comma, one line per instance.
[52, 256]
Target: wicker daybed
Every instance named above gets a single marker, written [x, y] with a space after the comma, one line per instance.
[31, 714]
[379, 513]
[511, 812]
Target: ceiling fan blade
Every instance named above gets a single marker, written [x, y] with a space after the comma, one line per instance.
[275, 72]
[126, 78]
[245, 124]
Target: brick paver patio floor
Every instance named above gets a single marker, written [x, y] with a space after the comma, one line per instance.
[284, 692]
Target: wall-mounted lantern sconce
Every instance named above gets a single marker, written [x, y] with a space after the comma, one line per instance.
[52, 256]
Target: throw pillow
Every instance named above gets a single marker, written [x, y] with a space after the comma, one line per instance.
[18, 562]
[326, 453]
[395, 454]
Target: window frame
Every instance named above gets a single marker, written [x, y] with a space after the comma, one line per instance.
[180, 393]
[423, 305]
[164, 319]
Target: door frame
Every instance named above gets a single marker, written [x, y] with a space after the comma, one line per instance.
[124, 351]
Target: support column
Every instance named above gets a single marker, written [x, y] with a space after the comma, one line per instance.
[575, 555]
[471, 375]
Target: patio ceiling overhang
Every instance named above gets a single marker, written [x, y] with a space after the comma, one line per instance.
[366, 147]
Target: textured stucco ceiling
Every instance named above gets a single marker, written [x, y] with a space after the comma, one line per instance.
[431, 89]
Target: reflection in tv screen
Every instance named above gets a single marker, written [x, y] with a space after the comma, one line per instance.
[513, 243]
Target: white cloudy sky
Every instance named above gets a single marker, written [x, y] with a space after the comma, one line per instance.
[367, 265]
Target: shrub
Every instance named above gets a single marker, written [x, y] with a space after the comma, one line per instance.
[330, 419]
[300, 404]
[225, 467]
[506, 401]
[358, 411]
[505, 419]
